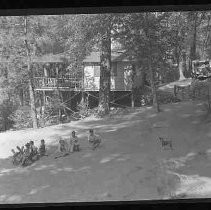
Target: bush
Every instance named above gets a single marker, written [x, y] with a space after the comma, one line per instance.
[166, 97]
[83, 109]
[171, 74]
[201, 90]
[6, 108]
[54, 112]
[22, 118]
[143, 96]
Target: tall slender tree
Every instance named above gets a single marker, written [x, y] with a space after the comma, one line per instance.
[30, 81]
[105, 67]
[150, 59]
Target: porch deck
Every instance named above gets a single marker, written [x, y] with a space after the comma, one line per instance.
[46, 83]
[67, 84]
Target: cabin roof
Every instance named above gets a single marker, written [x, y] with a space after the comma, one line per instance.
[94, 57]
[49, 58]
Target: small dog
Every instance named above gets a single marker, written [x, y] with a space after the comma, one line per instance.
[166, 143]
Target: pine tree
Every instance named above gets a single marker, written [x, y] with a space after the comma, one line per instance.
[105, 68]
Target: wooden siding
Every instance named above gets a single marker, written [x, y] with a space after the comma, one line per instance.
[120, 82]
[90, 81]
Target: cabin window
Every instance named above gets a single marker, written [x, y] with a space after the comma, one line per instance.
[114, 69]
[96, 71]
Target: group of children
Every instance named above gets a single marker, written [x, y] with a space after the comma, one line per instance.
[73, 145]
[30, 152]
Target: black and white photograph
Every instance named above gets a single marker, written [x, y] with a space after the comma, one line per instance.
[112, 106]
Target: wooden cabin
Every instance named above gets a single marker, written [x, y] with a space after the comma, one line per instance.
[120, 72]
[54, 74]
[51, 73]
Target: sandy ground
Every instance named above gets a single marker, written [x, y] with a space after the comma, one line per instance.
[170, 86]
[129, 165]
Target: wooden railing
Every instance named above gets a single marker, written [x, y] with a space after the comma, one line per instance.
[46, 82]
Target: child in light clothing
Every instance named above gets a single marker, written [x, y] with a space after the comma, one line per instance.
[42, 149]
[74, 144]
[33, 147]
[94, 139]
[62, 149]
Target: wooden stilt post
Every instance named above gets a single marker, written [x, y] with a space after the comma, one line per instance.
[82, 97]
[87, 102]
[42, 109]
[133, 85]
[132, 100]
[44, 98]
[71, 99]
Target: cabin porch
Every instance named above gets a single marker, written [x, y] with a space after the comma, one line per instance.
[66, 82]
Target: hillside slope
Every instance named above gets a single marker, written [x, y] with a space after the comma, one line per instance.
[130, 164]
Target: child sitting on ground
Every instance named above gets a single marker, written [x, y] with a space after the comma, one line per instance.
[33, 148]
[17, 157]
[42, 148]
[62, 149]
[14, 153]
[20, 149]
[26, 154]
[33, 151]
[94, 139]
[74, 144]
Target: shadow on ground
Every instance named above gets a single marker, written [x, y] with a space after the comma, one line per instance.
[127, 165]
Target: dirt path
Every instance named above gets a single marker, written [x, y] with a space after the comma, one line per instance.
[170, 86]
[129, 165]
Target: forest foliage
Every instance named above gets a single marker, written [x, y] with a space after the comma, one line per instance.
[158, 40]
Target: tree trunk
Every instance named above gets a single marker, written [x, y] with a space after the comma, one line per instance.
[5, 124]
[204, 47]
[30, 82]
[133, 86]
[59, 97]
[132, 100]
[21, 98]
[182, 66]
[153, 87]
[82, 97]
[194, 39]
[105, 71]
[150, 67]
[176, 50]
[32, 103]
[193, 46]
